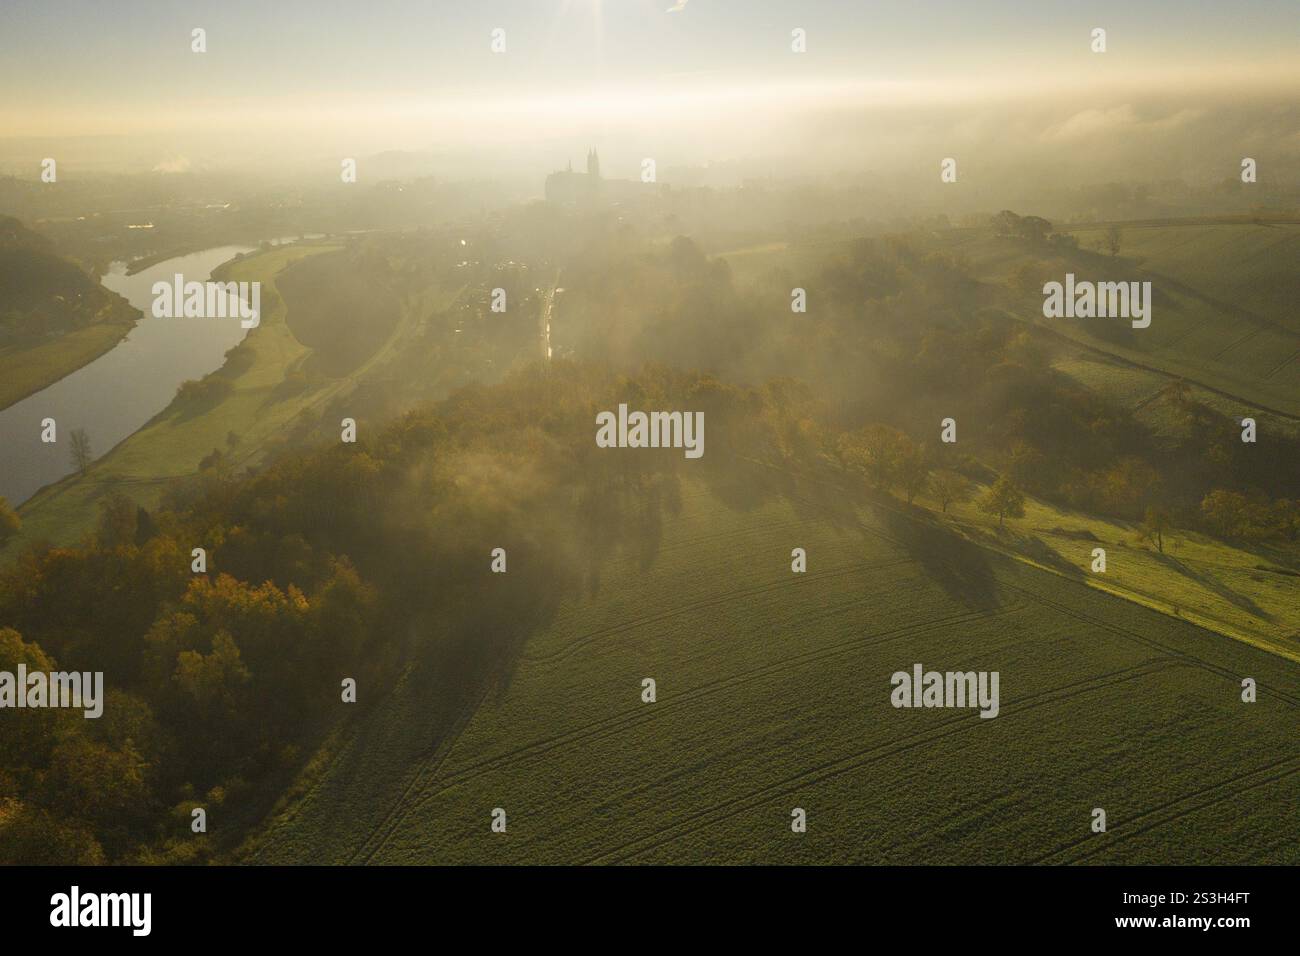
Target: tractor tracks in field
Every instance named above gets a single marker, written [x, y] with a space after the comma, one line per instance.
[383, 831]
[790, 581]
[1172, 810]
[1147, 642]
[811, 776]
[1062, 608]
[619, 723]
[1171, 656]
[616, 724]
[1281, 365]
[423, 785]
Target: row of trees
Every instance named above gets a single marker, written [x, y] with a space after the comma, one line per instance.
[889, 460]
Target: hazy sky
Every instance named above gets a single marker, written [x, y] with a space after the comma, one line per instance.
[385, 74]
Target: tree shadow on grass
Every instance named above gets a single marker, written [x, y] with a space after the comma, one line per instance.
[1214, 586]
[745, 486]
[960, 567]
[1036, 549]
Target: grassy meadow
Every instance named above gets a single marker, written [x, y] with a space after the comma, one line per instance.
[25, 371]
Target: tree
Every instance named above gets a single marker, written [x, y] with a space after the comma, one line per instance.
[213, 681]
[1006, 223]
[117, 521]
[1225, 512]
[29, 734]
[882, 448]
[1025, 465]
[1004, 499]
[949, 487]
[1035, 228]
[1231, 514]
[1154, 526]
[1113, 238]
[81, 456]
[913, 469]
[10, 523]
[1127, 486]
[31, 836]
[1286, 517]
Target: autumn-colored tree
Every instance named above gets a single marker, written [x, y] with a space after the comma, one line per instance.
[10, 523]
[213, 682]
[882, 448]
[1178, 393]
[1154, 525]
[28, 733]
[117, 521]
[912, 468]
[96, 782]
[1004, 499]
[1286, 517]
[949, 487]
[1025, 465]
[1231, 514]
[1127, 486]
[31, 836]
[1225, 512]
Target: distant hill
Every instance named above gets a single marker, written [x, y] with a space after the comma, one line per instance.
[42, 293]
[1223, 288]
[54, 316]
[14, 235]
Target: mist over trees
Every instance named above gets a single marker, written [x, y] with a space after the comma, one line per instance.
[320, 560]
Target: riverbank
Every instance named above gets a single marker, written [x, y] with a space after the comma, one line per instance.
[252, 412]
[26, 371]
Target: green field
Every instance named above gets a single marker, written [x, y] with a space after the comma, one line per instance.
[55, 317]
[773, 693]
[1139, 389]
[25, 371]
[1235, 330]
[1249, 595]
[1263, 279]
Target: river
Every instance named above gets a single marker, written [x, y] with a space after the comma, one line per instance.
[122, 389]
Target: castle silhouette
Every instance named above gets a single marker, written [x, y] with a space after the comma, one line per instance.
[567, 187]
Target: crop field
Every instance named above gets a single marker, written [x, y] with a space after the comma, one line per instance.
[1139, 390]
[1236, 330]
[1262, 278]
[773, 692]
